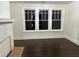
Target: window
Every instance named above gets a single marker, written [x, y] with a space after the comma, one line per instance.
[56, 19]
[43, 19]
[30, 19]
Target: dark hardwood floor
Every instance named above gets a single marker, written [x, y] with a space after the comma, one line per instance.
[48, 48]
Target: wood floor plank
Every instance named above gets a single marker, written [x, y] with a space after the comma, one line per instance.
[17, 52]
[12, 52]
[20, 51]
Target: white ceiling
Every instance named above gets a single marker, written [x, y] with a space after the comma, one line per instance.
[46, 2]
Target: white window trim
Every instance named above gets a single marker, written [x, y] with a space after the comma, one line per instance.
[37, 19]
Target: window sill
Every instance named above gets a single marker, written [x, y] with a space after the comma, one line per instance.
[43, 30]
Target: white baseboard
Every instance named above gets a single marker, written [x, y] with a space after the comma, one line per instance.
[38, 37]
[72, 40]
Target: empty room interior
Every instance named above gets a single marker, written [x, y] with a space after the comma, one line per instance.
[39, 28]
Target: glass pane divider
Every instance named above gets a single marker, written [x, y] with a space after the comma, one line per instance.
[43, 20]
[56, 20]
[29, 20]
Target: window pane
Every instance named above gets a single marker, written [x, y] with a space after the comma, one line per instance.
[26, 16]
[43, 15]
[43, 25]
[56, 24]
[52, 14]
[33, 16]
[29, 14]
[30, 25]
[56, 15]
[40, 17]
[59, 14]
[47, 16]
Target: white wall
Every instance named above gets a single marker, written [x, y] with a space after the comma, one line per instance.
[4, 10]
[78, 31]
[6, 37]
[16, 14]
[71, 32]
[6, 29]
